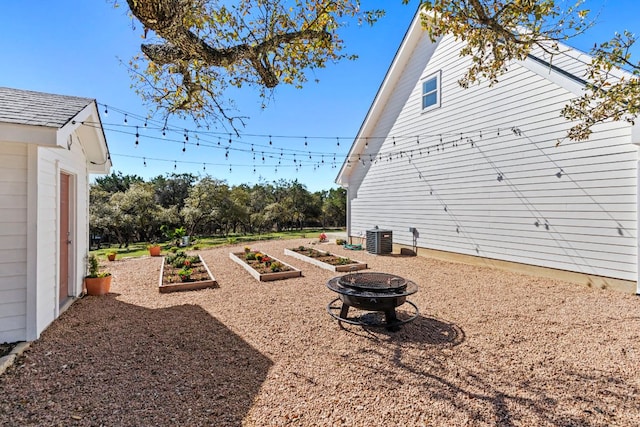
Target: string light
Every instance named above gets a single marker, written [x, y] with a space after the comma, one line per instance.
[137, 136]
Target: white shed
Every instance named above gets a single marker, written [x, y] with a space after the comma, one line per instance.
[46, 156]
[476, 174]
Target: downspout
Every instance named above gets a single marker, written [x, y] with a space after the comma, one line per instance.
[348, 223]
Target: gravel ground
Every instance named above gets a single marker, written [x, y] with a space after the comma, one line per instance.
[490, 348]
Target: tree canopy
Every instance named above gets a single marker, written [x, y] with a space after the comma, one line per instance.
[497, 32]
[126, 209]
[195, 49]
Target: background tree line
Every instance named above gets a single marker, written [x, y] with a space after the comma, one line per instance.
[126, 208]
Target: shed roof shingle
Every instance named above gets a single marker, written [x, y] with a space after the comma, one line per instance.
[26, 107]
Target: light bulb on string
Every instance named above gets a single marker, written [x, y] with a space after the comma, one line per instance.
[125, 119]
[164, 132]
[145, 122]
[175, 165]
[305, 141]
[229, 169]
[144, 161]
[204, 167]
[137, 136]
[270, 143]
[338, 141]
[106, 110]
[394, 140]
[218, 140]
[197, 140]
[366, 142]
[230, 139]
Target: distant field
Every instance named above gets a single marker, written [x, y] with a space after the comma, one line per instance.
[140, 248]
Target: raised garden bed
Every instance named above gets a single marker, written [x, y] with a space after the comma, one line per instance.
[181, 272]
[325, 259]
[264, 267]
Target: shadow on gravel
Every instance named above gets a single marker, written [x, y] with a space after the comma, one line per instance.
[422, 330]
[105, 362]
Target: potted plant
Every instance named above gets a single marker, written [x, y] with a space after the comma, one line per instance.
[111, 256]
[96, 282]
[154, 249]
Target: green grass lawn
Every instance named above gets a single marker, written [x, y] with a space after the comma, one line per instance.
[140, 248]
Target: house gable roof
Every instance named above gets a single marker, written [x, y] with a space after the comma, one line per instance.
[402, 56]
[567, 78]
[52, 120]
[31, 108]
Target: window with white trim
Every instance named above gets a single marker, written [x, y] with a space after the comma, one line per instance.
[431, 92]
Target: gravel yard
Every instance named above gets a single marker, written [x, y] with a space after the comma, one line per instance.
[490, 348]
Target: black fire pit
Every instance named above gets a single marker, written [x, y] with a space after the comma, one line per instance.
[372, 292]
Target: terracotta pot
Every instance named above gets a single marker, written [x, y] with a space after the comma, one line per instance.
[97, 285]
[111, 257]
[154, 250]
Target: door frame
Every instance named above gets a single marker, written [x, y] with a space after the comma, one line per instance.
[71, 254]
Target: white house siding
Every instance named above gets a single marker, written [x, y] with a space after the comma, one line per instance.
[13, 241]
[583, 221]
[51, 162]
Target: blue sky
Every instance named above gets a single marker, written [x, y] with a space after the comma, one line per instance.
[74, 47]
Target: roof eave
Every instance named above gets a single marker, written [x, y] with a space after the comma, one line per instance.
[403, 54]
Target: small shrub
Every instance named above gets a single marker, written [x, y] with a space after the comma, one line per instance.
[341, 242]
[276, 267]
[196, 248]
[250, 256]
[185, 273]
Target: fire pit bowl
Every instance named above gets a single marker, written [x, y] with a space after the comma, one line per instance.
[371, 291]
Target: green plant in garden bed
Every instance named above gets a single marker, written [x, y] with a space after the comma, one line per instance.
[325, 260]
[261, 262]
[326, 257]
[185, 267]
